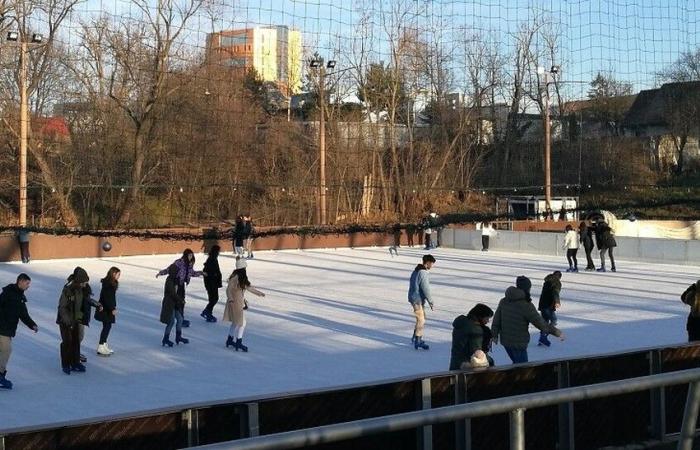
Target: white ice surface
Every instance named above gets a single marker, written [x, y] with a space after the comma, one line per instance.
[331, 317]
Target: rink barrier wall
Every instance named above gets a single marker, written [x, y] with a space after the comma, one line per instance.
[655, 414]
[664, 251]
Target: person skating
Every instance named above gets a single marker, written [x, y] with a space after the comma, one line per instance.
[238, 235]
[586, 235]
[185, 271]
[513, 316]
[74, 308]
[486, 232]
[549, 303]
[691, 297]
[606, 242]
[248, 230]
[212, 282]
[171, 308]
[428, 232]
[238, 285]
[571, 246]
[470, 334]
[13, 308]
[418, 295]
[108, 314]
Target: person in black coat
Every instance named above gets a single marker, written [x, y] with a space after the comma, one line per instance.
[13, 308]
[469, 334]
[171, 308]
[108, 313]
[691, 297]
[238, 233]
[212, 282]
[606, 242]
[248, 235]
[586, 235]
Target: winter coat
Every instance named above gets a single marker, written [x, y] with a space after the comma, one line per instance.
[212, 279]
[185, 272]
[247, 229]
[512, 318]
[235, 301]
[586, 235]
[13, 308]
[108, 299]
[604, 237]
[571, 240]
[67, 314]
[239, 234]
[419, 287]
[171, 300]
[468, 336]
[488, 231]
[549, 298]
[691, 297]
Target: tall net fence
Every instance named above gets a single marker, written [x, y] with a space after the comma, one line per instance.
[149, 113]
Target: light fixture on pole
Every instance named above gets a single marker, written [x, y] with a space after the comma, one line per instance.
[548, 78]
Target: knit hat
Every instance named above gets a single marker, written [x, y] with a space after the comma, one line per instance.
[479, 359]
[241, 263]
[523, 283]
[80, 275]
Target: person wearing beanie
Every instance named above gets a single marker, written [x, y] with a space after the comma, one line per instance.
[185, 271]
[549, 303]
[212, 282]
[471, 334]
[74, 311]
[171, 308]
[513, 316]
[13, 308]
[418, 295]
[236, 304]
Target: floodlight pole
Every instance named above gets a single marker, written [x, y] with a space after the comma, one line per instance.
[322, 145]
[23, 132]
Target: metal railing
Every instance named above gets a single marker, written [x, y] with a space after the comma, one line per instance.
[514, 405]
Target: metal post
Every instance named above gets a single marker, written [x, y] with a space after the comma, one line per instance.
[517, 429]
[322, 146]
[190, 416]
[690, 417]
[547, 147]
[565, 410]
[250, 425]
[657, 399]
[23, 131]
[463, 426]
[424, 400]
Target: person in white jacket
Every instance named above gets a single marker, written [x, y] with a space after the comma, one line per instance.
[487, 232]
[571, 246]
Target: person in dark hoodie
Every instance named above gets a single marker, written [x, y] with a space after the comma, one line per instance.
[513, 316]
[107, 315]
[549, 303]
[171, 308]
[13, 308]
[691, 297]
[74, 308]
[212, 282]
[586, 235]
[418, 295]
[606, 242]
[185, 271]
[469, 334]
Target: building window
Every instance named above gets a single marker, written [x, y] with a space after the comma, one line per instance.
[230, 41]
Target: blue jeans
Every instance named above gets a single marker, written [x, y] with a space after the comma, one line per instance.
[517, 355]
[177, 318]
[550, 317]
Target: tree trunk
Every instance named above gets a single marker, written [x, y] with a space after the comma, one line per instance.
[136, 176]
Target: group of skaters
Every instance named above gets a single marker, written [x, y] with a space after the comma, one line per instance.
[604, 241]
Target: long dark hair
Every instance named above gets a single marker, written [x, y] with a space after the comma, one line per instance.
[214, 251]
[242, 278]
[185, 255]
[110, 277]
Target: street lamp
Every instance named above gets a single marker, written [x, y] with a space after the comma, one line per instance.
[549, 77]
[14, 36]
[317, 63]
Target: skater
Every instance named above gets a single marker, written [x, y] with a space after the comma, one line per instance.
[108, 314]
[393, 249]
[185, 271]
[73, 314]
[470, 334]
[428, 231]
[606, 242]
[571, 246]
[418, 295]
[586, 235]
[549, 303]
[238, 285]
[486, 232]
[171, 308]
[248, 230]
[23, 240]
[212, 282]
[410, 233]
[514, 314]
[691, 297]
[238, 233]
[13, 308]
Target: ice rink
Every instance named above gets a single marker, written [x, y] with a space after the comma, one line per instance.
[330, 318]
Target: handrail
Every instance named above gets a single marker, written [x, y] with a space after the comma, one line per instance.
[515, 405]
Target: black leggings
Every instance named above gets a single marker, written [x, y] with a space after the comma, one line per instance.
[106, 327]
[213, 294]
[571, 257]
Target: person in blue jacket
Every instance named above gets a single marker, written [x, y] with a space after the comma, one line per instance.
[418, 295]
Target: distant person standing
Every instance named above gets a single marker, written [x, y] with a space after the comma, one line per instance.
[470, 334]
[606, 242]
[23, 240]
[108, 314]
[513, 316]
[571, 246]
[486, 232]
[238, 232]
[549, 303]
[418, 296]
[428, 224]
[248, 230]
[13, 308]
[691, 297]
[212, 282]
[586, 235]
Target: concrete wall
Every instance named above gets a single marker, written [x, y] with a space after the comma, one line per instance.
[667, 251]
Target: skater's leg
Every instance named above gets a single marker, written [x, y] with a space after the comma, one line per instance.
[612, 259]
